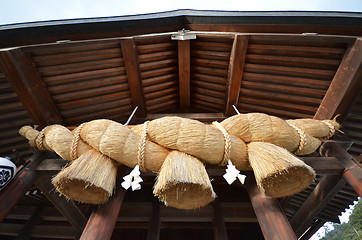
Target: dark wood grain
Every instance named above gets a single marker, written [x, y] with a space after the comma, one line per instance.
[184, 74]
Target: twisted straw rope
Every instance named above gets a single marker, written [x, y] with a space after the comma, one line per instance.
[227, 143]
[302, 138]
[75, 141]
[332, 130]
[142, 147]
[39, 140]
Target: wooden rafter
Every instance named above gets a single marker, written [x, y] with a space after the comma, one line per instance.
[235, 73]
[66, 207]
[27, 84]
[130, 58]
[218, 222]
[153, 232]
[341, 89]
[184, 74]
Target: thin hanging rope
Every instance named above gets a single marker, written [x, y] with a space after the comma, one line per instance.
[75, 141]
[142, 147]
[302, 139]
[227, 143]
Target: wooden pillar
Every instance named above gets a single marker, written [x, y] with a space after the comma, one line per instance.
[153, 232]
[272, 220]
[184, 74]
[235, 73]
[26, 177]
[218, 222]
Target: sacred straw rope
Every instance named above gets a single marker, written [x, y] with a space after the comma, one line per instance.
[75, 141]
[142, 147]
[227, 143]
[302, 138]
[39, 140]
[332, 130]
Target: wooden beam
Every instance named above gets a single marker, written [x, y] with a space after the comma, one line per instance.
[342, 82]
[184, 74]
[272, 220]
[153, 232]
[130, 58]
[218, 222]
[235, 73]
[27, 84]
[19, 185]
[66, 207]
[34, 219]
[353, 171]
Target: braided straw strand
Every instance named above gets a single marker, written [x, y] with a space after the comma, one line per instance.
[75, 141]
[39, 140]
[332, 130]
[227, 143]
[302, 139]
[142, 147]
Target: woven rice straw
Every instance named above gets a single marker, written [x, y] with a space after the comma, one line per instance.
[121, 144]
[183, 182]
[197, 139]
[53, 138]
[253, 127]
[278, 172]
[89, 179]
[316, 128]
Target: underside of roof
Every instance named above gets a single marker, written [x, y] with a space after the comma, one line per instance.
[287, 64]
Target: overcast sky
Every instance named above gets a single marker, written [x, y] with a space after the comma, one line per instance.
[15, 11]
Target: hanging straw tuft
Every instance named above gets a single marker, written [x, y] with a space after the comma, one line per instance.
[277, 171]
[183, 182]
[91, 178]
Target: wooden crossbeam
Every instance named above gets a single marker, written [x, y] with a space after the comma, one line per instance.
[235, 73]
[27, 84]
[66, 207]
[34, 219]
[184, 74]
[130, 58]
[272, 220]
[343, 86]
[328, 186]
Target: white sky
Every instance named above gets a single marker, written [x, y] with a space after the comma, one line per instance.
[15, 11]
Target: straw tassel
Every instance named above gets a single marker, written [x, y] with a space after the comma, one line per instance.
[183, 182]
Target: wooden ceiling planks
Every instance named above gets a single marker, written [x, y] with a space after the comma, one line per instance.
[287, 75]
[158, 59]
[210, 56]
[86, 79]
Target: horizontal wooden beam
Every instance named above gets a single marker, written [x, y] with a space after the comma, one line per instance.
[29, 87]
[353, 171]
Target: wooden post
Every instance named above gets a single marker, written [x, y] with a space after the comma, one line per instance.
[272, 220]
[19, 185]
[184, 74]
[153, 232]
[130, 59]
[218, 222]
[235, 74]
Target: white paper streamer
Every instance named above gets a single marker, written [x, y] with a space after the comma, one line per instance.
[133, 179]
[232, 173]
